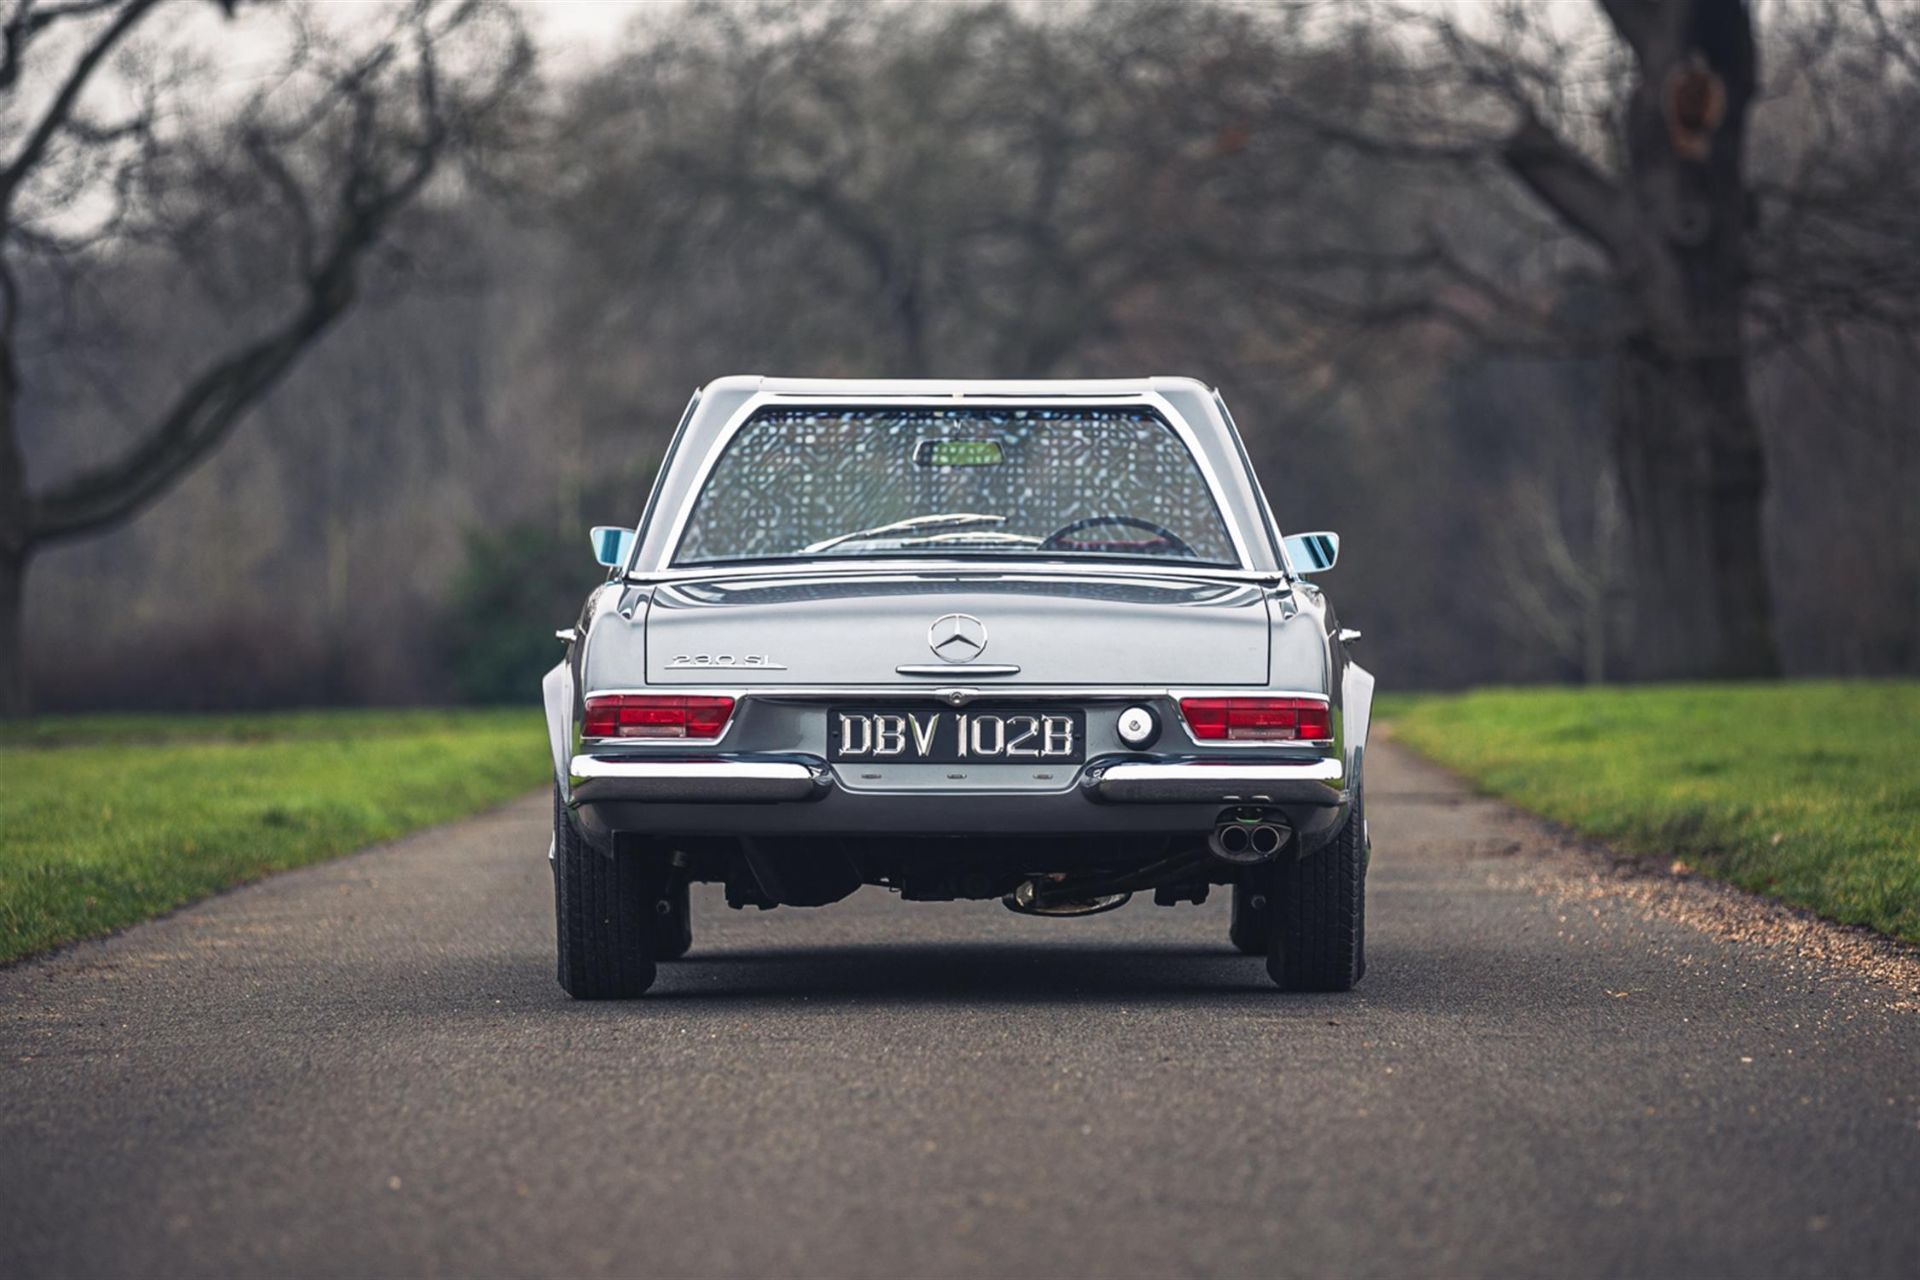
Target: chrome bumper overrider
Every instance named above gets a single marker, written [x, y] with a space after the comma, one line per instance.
[1316, 782]
[1310, 782]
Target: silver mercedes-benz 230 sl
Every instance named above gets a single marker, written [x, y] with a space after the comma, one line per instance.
[1035, 641]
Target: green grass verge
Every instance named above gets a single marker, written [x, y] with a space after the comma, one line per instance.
[107, 820]
[1806, 790]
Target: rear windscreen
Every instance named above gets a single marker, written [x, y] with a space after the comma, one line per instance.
[919, 480]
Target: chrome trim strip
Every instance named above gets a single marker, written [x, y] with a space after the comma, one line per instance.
[603, 778]
[809, 692]
[900, 568]
[1325, 770]
[944, 669]
[1315, 782]
[1175, 420]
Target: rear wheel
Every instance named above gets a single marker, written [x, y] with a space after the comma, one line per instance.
[1252, 907]
[603, 915]
[673, 920]
[1318, 932]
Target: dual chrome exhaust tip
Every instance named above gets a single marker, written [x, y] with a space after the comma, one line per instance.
[1245, 843]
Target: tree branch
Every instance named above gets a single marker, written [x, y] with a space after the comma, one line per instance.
[1382, 148]
[1892, 44]
[28, 21]
[373, 186]
[61, 108]
[1583, 197]
[198, 420]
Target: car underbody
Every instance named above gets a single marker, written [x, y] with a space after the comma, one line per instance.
[1063, 847]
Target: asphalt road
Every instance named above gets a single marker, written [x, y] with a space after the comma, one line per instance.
[365, 1068]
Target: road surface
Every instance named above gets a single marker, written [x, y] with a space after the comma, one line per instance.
[1552, 1068]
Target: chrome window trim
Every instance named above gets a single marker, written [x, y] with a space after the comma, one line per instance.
[902, 568]
[1176, 422]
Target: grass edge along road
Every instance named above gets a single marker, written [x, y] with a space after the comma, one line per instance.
[1808, 791]
[109, 820]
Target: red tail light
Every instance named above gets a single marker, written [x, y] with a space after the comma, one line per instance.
[637, 715]
[1258, 719]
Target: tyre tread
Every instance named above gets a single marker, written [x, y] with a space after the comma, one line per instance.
[603, 926]
[1318, 942]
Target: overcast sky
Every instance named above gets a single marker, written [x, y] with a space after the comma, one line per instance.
[574, 34]
[580, 28]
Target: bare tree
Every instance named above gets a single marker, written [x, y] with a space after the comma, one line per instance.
[314, 167]
[1682, 254]
[983, 189]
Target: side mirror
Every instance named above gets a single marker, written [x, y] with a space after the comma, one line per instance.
[1313, 552]
[612, 545]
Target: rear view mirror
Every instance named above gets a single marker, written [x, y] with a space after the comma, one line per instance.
[612, 545]
[1313, 552]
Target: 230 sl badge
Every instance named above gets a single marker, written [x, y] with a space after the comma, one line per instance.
[734, 661]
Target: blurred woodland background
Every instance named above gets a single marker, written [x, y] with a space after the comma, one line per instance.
[1590, 326]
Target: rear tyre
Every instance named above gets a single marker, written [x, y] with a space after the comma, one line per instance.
[673, 920]
[1318, 932]
[1249, 927]
[603, 916]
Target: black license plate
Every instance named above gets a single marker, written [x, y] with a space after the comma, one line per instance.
[984, 736]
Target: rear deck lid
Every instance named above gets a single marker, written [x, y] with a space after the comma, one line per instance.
[894, 629]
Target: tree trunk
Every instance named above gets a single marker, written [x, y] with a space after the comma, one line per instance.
[1603, 596]
[13, 650]
[1692, 469]
[1693, 480]
[16, 544]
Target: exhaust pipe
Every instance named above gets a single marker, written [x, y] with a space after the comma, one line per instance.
[1244, 844]
[1232, 841]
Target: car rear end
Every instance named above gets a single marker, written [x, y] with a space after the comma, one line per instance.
[1037, 647]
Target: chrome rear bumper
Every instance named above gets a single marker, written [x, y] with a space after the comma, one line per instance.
[800, 795]
[721, 781]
